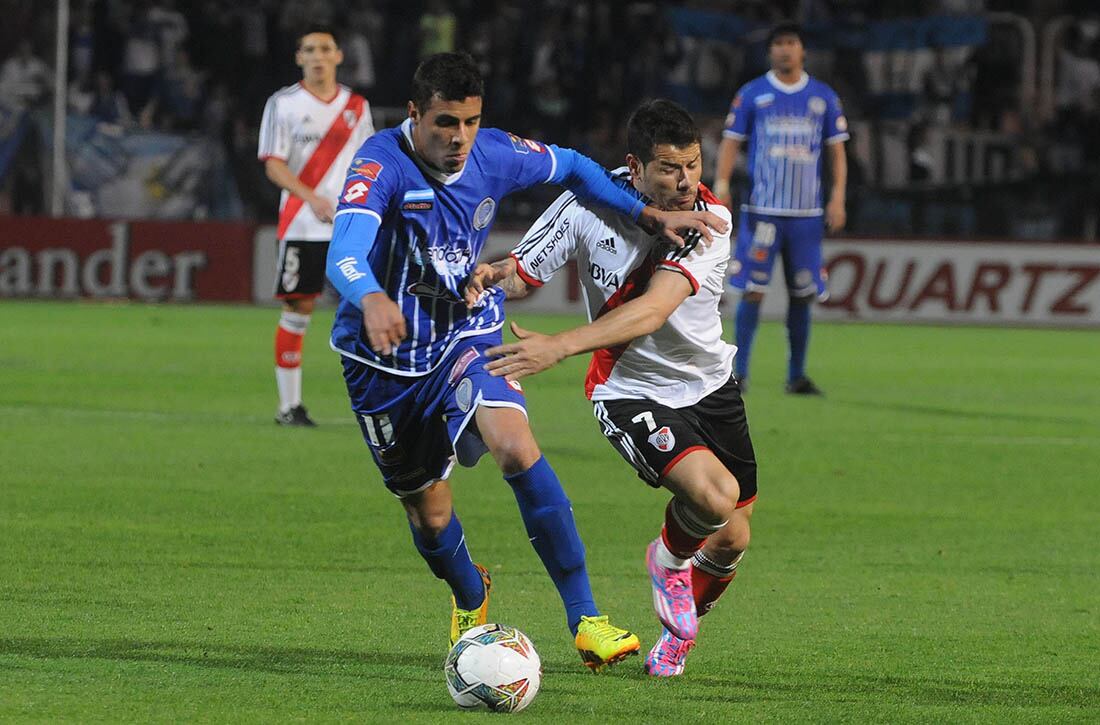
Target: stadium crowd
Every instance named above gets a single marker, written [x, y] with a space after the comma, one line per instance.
[557, 70]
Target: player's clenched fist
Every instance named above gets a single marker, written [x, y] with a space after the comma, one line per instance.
[383, 321]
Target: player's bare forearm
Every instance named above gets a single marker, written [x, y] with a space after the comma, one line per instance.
[637, 318]
[508, 279]
[838, 160]
[728, 151]
[641, 316]
[501, 274]
[835, 215]
[281, 175]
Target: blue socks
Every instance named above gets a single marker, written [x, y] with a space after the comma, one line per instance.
[548, 517]
[449, 559]
[798, 335]
[745, 323]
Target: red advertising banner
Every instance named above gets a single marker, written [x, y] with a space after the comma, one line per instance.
[151, 261]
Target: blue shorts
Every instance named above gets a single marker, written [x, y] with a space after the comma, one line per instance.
[416, 427]
[798, 240]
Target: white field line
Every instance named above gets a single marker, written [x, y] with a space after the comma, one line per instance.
[154, 415]
[993, 440]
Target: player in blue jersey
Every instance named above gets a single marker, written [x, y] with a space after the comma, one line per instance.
[789, 120]
[412, 219]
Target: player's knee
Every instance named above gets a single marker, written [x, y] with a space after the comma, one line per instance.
[301, 305]
[721, 497]
[753, 297]
[514, 454]
[733, 540]
[431, 524]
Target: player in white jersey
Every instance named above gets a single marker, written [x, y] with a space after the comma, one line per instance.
[660, 377]
[308, 136]
[790, 120]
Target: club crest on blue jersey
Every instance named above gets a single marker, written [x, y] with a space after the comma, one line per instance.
[483, 215]
[464, 394]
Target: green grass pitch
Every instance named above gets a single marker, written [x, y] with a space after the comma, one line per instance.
[926, 545]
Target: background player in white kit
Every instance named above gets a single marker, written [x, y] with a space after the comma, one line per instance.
[308, 138]
[660, 376]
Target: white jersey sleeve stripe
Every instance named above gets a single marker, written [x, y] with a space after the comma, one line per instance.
[369, 212]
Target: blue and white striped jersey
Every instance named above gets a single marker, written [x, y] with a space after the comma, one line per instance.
[787, 126]
[431, 227]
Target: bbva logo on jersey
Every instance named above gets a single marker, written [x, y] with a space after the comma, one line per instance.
[605, 277]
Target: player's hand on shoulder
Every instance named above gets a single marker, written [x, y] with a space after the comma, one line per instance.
[323, 208]
[383, 321]
[672, 225]
[481, 279]
[533, 353]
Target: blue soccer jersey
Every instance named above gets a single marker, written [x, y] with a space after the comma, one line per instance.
[787, 126]
[431, 227]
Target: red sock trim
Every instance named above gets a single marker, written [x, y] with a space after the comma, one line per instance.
[288, 348]
[707, 588]
[678, 541]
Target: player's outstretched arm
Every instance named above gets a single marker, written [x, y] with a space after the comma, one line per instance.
[591, 182]
[643, 315]
[501, 274]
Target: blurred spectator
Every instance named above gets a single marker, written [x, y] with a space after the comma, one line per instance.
[357, 70]
[141, 58]
[180, 94]
[108, 104]
[940, 89]
[437, 29]
[170, 27]
[82, 43]
[1078, 75]
[25, 80]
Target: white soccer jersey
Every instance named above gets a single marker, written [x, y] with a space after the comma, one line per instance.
[317, 139]
[685, 359]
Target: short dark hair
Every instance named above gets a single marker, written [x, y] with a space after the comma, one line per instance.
[318, 28]
[659, 122]
[451, 76]
[785, 28]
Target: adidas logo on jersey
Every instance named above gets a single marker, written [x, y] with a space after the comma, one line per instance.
[608, 245]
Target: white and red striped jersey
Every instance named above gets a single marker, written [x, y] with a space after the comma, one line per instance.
[317, 139]
[685, 359]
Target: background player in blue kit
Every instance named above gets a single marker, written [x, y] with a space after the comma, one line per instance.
[788, 118]
[413, 217]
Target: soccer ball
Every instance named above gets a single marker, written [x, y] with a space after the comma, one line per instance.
[493, 666]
